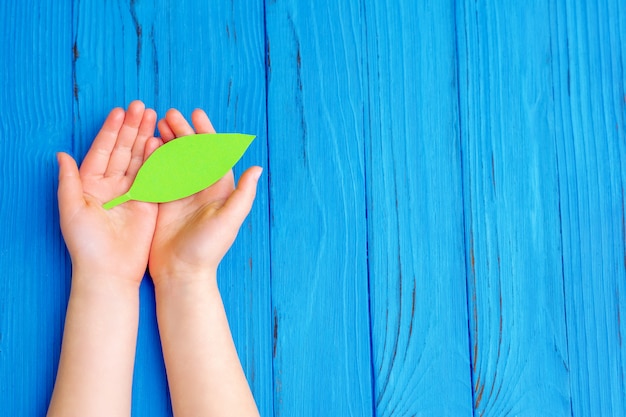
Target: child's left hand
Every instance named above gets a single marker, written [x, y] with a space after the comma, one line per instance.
[193, 234]
[109, 244]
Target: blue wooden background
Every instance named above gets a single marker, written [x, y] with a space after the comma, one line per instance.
[440, 229]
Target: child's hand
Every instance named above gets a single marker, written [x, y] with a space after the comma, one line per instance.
[111, 244]
[193, 234]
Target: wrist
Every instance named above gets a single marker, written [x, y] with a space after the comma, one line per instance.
[185, 281]
[110, 271]
[100, 284]
[185, 291]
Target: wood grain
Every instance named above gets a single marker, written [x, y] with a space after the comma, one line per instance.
[317, 200]
[443, 195]
[415, 212]
[36, 121]
[588, 72]
[198, 54]
[108, 58]
[512, 224]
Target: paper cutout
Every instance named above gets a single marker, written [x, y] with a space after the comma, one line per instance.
[184, 166]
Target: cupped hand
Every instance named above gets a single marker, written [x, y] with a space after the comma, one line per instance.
[109, 244]
[193, 234]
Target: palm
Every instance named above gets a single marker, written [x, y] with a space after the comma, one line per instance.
[124, 233]
[183, 227]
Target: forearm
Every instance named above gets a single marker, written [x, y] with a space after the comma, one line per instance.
[97, 355]
[203, 369]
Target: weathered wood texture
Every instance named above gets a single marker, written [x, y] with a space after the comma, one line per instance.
[36, 121]
[440, 226]
[198, 54]
[515, 276]
[415, 212]
[317, 201]
[588, 44]
[542, 108]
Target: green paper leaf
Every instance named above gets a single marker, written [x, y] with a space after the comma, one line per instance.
[184, 166]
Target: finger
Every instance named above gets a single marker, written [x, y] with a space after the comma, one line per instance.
[70, 192]
[201, 122]
[165, 131]
[239, 204]
[145, 132]
[178, 124]
[97, 159]
[151, 145]
[122, 152]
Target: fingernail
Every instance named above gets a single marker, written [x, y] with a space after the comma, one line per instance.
[258, 173]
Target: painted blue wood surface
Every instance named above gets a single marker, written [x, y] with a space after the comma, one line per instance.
[415, 212]
[589, 57]
[515, 276]
[197, 55]
[319, 276]
[440, 229]
[35, 122]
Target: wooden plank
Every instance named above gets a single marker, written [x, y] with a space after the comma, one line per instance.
[511, 184]
[415, 212]
[198, 54]
[36, 122]
[109, 54]
[212, 55]
[588, 40]
[318, 228]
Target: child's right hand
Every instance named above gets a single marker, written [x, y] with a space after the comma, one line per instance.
[109, 244]
[193, 234]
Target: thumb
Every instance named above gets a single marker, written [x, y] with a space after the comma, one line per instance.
[240, 201]
[70, 192]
